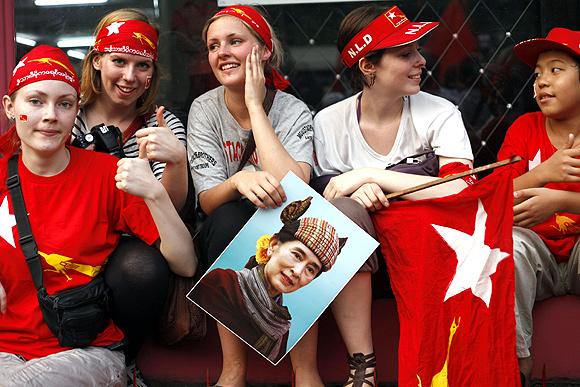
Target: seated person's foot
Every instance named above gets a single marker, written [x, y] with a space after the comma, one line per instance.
[362, 370]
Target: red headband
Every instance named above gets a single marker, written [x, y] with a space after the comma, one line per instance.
[390, 29]
[128, 37]
[257, 23]
[40, 64]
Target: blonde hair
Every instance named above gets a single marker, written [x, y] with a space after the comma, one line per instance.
[277, 57]
[91, 78]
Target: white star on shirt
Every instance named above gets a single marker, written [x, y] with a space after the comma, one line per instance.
[537, 160]
[476, 261]
[392, 15]
[7, 221]
[113, 28]
[19, 65]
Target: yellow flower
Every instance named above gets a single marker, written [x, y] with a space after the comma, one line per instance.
[262, 249]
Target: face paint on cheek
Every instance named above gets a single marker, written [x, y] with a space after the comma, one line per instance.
[23, 117]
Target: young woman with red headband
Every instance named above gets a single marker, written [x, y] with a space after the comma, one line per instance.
[78, 204]
[387, 122]
[243, 53]
[120, 80]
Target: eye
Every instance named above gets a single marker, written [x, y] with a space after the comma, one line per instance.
[236, 42]
[212, 47]
[144, 66]
[35, 101]
[536, 75]
[66, 104]
[556, 70]
[118, 61]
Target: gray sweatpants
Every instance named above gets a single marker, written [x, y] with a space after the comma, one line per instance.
[91, 366]
[539, 276]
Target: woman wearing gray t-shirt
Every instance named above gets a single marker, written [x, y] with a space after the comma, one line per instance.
[243, 53]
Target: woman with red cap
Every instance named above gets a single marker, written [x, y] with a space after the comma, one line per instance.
[73, 234]
[547, 189]
[243, 137]
[120, 80]
[358, 139]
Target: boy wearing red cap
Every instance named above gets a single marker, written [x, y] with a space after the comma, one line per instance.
[547, 190]
[76, 219]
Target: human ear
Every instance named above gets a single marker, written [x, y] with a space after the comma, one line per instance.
[97, 62]
[366, 67]
[274, 244]
[8, 107]
[266, 54]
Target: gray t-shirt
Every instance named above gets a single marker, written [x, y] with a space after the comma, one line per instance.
[215, 140]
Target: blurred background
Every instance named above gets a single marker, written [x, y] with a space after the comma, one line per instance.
[469, 57]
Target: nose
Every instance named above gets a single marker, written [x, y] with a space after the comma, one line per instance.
[129, 73]
[421, 61]
[297, 269]
[223, 50]
[49, 113]
[541, 81]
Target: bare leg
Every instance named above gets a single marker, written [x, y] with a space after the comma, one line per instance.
[234, 359]
[352, 312]
[304, 363]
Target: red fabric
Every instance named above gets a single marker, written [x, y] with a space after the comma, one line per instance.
[77, 218]
[128, 37]
[481, 352]
[561, 39]
[43, 63]
[390, 29]
[455, 168]
[257, 22]
[527, 138]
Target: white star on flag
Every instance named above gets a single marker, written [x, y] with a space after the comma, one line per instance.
[537, 160]
[19, 65]
[476, 261]
[113, 28]
[392, 15]
[7, 221]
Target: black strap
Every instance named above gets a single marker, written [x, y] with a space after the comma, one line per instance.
[251, 143]
[26, 240]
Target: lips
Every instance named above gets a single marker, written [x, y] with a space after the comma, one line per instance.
[544, 97]
[125, 90]
[286, 280]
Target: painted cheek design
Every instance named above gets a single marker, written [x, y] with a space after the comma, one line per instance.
[23, 117]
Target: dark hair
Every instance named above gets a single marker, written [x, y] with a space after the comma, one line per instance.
[351, 25]
[286, 234]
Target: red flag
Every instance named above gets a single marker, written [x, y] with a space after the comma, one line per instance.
[452, 272]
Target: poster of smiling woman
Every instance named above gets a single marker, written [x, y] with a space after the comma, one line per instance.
[282, 270]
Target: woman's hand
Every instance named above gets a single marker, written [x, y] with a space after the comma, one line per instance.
[562, 166]
[538, 205]
[260, 187]
[2, 299]
[161, 144]
[344, 184]
[255, 91]
[371, 197]
[135, 177]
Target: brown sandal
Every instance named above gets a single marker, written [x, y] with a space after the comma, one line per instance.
[359, 364]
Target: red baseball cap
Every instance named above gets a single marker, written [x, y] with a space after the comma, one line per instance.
[560, 39]
[390, 29]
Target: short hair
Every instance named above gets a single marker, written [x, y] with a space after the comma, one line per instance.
[91, 86]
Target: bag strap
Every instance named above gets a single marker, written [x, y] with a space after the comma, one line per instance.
[26, 240]
[251, 143]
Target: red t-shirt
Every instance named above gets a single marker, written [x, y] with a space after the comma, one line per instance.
[527, 137]
[77, 218]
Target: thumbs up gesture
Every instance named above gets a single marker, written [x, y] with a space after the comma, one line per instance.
[134, 176]
[563, 165]
[158, 143]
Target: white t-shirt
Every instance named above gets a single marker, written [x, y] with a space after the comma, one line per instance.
[427, 122]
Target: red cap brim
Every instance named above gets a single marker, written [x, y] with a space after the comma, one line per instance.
[529, 50]
[402, 37]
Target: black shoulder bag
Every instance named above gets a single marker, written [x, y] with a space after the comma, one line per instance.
[75, 316]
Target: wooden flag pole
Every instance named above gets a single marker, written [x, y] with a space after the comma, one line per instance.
[453, 177]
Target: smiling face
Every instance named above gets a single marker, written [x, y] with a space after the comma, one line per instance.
[229, 42]
[291, 266]
[124, 77]
[399, 70]
[557, 85]
[44, 113]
